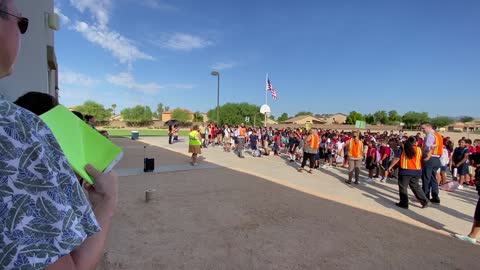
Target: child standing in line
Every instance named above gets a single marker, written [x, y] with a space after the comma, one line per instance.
[371, 160]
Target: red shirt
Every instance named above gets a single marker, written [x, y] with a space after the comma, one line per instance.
[477, 149]
[371, 151]
[384, 150]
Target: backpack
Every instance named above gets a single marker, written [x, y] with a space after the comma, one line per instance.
[377, 156]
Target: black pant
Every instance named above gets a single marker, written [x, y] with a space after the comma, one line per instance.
[429, 177]
[406, 180]
[170, 138]
[310, 157]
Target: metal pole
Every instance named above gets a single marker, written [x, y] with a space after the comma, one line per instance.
[218, 99]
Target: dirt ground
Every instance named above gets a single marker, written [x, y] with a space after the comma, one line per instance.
[224, 219]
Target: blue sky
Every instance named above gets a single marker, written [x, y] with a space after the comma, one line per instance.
[321, 56]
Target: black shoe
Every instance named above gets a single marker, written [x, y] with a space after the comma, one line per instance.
[425, 205]
[401, 205]
[356, 182]
[435, 201]
[348, 181]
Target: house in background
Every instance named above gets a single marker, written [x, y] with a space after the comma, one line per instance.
[304, 119]
[167, 115]
[333, 119]
[465, 127]
[36, 67]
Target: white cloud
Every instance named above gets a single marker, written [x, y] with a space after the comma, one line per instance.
[98, 8]
[223, 65]
[99, 33]
[63, 18]
[158, 4]
[126, 79]
[121, 47]
[180, 86]
[185, 42]
[74, 78]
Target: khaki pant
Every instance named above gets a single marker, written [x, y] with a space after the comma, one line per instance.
[354, 165]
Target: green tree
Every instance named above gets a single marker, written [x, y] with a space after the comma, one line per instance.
[114, 106]
[353, 117]
[370, 119]
[137, 116]
[303, 113]
[271, 117]
[414, 119]
[93, 108]
[394, 117]
[466, 119]
[181, 115]
[197, 117]
[441, 121]
[159, 111]
[282, 117]
[381, 117]
[235, 113]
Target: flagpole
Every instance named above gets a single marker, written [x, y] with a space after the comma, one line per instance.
[266, 100]
[266, 92]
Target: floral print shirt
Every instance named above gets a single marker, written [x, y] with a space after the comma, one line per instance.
[44, 212]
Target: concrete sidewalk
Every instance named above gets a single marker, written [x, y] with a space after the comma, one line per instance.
[213, 217]
[454, 215]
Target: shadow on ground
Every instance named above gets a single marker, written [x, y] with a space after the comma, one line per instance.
[224, 219]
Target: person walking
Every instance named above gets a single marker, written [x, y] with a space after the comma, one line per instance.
[194, 142]
[170, 134]
[355, 152]
[410, 158]
[432, 150]
[242, 133]
[310, 148]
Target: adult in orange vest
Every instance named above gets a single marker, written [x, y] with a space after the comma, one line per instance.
[242, 135]
[410, 158]
[432, 151]
[310, 148]
[355, 153]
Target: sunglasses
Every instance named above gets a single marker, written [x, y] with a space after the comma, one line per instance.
[22, 22]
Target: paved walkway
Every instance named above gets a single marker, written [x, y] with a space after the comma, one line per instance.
[260, 213]
[454, 215]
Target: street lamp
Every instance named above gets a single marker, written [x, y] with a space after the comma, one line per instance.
[216, 73]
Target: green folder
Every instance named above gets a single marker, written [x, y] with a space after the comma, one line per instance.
[81, 143]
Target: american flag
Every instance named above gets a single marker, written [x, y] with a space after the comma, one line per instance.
[270, 88]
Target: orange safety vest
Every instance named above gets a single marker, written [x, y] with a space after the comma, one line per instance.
[414, 163]
[313, 141]
[438, 145]
[241, 132]
[355, 148]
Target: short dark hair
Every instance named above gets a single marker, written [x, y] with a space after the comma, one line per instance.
[88, 117]
[3, 6]
[36, 102]
[79, 115]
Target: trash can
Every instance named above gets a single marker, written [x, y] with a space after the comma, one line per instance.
[135, 135]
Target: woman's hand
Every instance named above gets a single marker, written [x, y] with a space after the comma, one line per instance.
[104, 191]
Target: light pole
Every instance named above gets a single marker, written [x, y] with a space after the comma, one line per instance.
[216, 73]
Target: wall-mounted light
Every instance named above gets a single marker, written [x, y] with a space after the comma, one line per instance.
[53, 21]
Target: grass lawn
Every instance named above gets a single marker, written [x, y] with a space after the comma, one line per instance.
[124, 133]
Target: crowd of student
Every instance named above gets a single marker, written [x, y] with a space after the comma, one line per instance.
[420, 163]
